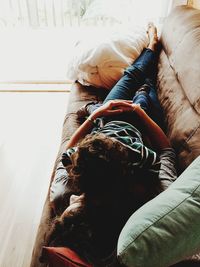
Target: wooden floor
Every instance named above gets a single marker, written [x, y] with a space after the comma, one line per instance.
[30, 132]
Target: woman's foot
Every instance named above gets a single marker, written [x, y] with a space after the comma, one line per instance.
[153, 37]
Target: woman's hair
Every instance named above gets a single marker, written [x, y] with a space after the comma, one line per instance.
[73, 231]
[99, 164]
[101, 167]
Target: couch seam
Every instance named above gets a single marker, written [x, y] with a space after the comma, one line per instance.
[174, 69]
[178, 43]
[192, 134]
[161, 218]
[181, 146]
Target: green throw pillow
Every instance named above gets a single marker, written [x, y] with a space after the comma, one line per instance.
[165, 230]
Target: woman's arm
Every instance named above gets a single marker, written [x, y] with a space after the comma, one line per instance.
[110, 108]
[81, 132]
[155, 134]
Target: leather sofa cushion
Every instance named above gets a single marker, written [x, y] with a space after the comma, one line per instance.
[182, 28]
[79, 95]
[179, 81]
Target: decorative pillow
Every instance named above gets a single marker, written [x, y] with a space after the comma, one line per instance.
[165, 230]
[62, 257]
[99, 59]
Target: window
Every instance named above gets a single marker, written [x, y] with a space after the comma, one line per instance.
[37, 36]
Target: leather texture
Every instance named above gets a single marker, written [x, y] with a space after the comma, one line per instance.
[79, 96]
[179, 82]
[178, 92]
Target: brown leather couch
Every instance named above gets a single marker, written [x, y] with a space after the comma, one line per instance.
[179, 82]
[179, 94]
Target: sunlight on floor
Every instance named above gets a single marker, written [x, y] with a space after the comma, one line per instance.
[31, 125]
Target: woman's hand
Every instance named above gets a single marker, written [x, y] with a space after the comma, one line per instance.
[155, 134]
[113, 107]
[110, 108]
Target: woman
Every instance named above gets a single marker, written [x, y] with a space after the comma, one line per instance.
[116, 161]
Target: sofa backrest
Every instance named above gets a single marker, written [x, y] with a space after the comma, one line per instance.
[179, 81]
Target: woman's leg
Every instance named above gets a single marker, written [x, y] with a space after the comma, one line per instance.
[135, 75]
[155, 110]
[142, 98]
[147, 98]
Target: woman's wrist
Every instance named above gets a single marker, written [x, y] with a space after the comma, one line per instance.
[139, 111]
[92, 118]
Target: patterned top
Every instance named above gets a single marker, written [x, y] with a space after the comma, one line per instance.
[162, 166]
[129, 136]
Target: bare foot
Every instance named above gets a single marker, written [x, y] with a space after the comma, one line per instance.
[152, 34]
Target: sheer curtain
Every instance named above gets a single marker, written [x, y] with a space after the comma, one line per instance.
[127, 11]
[41, 33]
[61, 13]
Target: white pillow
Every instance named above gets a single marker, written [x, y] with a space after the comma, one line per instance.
[99, 59]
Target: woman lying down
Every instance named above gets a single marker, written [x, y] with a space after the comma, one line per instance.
[116, 161]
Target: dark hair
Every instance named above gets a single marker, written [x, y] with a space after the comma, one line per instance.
[73, 231]
[102, 165]
[99, 164]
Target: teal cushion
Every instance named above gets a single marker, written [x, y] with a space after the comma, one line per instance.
[167, 229]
